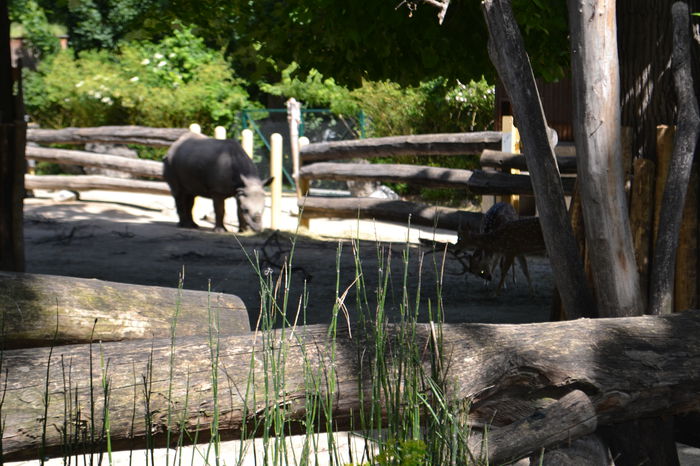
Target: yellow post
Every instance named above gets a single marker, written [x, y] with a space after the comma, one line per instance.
[511, 143]
[276, 186]
[195, 128]
[302, 188]
[219, 132]
[247, 141]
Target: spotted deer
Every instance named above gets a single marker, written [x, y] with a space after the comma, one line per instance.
[483, 262]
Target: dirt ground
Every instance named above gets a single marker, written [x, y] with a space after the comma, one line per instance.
[133, 238]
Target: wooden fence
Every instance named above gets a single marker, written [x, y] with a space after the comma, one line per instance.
[313, 163]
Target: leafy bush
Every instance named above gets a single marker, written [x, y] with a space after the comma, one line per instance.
[439, 105]
[170, 84]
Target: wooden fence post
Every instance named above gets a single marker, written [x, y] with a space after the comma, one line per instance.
[247, 141]
[511, 143]
[303, 187]
[219, 132]
[195, 128]
[276, 173]
[294, 119]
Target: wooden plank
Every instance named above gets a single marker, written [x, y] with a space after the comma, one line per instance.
[477, 181]
[423, 144]
[88, 182]
[641, 216]
[163, 137]
[46, 310]
[686, 283]
[390, 211]
[505, 374]
[138, 167]
[507, 160]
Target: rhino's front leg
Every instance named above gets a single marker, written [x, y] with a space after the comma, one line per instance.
[219, 212]
[184, 203]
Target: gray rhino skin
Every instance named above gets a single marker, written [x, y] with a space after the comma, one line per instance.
[218, 169]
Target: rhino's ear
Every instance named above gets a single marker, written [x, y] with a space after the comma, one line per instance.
[268, 181]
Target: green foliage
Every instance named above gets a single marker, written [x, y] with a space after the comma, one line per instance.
[438, 105]
[352, 43]
[170, 84]
[35, 26]
[101, 24]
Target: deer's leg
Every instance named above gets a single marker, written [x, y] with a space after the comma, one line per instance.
[523, 264]
[506, 264]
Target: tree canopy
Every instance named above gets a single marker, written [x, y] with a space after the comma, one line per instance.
[348, 40]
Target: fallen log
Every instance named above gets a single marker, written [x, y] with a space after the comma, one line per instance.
[138, 167]
[162, 137]
[88, 182]
[45, 310]
[423, 144]
[508, 160]
[599, 371]
[476, 181]
[390, 211]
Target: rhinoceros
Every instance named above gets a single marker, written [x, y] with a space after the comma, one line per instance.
[217, 169]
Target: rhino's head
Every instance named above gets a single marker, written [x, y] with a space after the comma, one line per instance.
[251, 203]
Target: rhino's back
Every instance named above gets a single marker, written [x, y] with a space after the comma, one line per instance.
[208, 167]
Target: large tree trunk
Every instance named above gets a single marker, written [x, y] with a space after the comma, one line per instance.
[508, 54]
[664, 261]
[599, 152]
[12, 164]
[45, 310]
[519, 379]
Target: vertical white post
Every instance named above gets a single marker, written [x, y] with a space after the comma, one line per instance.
[294, 119]
[219, 132]
[276, 173]
[195, 128]
[247, 141]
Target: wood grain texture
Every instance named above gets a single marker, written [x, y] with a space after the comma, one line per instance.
[138, 167]
[423, 144]
[41, 310]
[476, 181]
[391, 211]
[88, 182]
[507, 52]
[628, 368]
[107, 134]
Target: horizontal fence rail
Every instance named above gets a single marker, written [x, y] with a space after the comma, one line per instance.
[160, 137]
[137, 167]
[89, 182]
[476, 181]
[425, 144]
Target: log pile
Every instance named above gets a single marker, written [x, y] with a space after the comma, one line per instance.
[535, 386]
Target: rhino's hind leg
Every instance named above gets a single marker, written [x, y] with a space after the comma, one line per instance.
[184, 203]
[219, 213]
